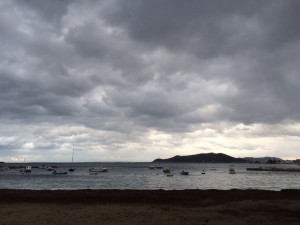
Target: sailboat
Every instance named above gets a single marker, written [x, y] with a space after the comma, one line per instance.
[59, 172]
[72, 169]
[26, 169]
[158, 167]
[232, 170]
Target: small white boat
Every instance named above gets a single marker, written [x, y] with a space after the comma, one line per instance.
[232, 170]
[158, 166]
[49, 168]
[98, 169]
[184, 172]
[27, 169]
[166, 170]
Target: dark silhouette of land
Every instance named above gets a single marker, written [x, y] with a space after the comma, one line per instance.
[203, 158]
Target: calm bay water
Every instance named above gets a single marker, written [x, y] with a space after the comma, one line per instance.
[139, 176]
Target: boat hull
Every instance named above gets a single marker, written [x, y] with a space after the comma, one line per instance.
[184, 173]
[98, 170]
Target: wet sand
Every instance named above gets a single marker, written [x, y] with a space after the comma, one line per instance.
[203, 207]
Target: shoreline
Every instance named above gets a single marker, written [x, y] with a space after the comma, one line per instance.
[204, 207]
[142, 196]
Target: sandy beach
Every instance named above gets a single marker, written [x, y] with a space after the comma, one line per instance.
[204, 207]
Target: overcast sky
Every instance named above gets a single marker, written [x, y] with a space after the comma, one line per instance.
[134, 80]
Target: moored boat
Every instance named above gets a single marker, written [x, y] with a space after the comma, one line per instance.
[49, 168]
[232, 170]
[166, 170]
[158, 166]
[184, 172]
[27, 169]
[72, 169]
[98, 169]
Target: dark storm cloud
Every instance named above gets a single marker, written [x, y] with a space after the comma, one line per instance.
[208, 27]
[92, 42]
[260, 39]
[51, 11]
[199, 26]
[251, 37]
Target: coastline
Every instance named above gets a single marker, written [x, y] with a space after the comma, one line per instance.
[149, 206]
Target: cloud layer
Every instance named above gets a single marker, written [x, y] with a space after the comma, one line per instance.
[135, 80]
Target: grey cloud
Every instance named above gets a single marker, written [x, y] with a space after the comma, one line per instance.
[51, 11]
[250, 33]
[124, 67]
[91, 41]
[280, 21]
[203, 27]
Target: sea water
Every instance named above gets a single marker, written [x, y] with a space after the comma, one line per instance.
[139, 176]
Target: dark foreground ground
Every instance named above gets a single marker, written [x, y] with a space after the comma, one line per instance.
[144, 207]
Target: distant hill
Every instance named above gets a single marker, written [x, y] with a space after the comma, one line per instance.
[205, 157]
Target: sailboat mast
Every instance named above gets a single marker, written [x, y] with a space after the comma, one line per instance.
[72, 156]
[72, 167]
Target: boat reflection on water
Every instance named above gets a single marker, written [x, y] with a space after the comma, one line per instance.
[59, 172]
